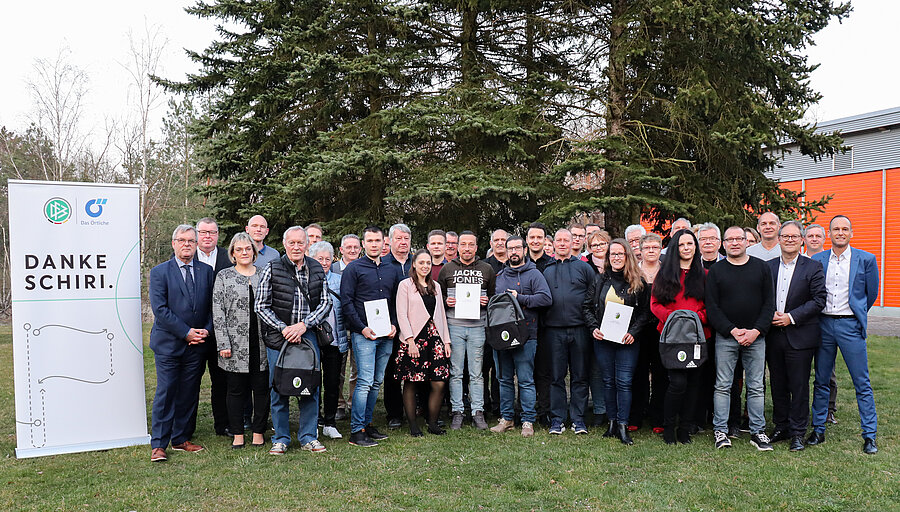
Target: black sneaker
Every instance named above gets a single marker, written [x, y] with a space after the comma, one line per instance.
[361, 439]
[722, 440]
[761, 442]
[734, 432]
[373, 432]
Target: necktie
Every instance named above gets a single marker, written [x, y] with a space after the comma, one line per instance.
[189, 282]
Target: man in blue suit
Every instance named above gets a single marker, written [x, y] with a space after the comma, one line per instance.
[851, 279]
[180, 295]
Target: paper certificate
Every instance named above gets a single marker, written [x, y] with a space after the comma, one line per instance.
[468, 301]
[378, 317]
[616, 319]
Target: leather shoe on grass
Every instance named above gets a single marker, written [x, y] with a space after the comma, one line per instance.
[815, 438]
[187, 446]
[797, 444]
[158, 455]
[780, 435]
[869, 446]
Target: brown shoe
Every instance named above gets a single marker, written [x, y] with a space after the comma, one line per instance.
[158, 455]
[527, 429]
[187, 446]
[502, 426]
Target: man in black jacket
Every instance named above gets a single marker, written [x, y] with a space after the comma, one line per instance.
[795, 334]
[740, 305]
[292, 299]
[566, 335]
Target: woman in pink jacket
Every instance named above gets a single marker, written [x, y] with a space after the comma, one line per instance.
[424, 354]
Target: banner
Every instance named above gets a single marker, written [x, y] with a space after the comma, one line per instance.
[76, 317]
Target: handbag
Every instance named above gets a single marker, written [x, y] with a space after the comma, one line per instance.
[324, 334]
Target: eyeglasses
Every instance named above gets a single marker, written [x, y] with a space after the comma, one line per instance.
[790, 238]
[577, 236]
[650, 248]
[735, 240]
[184, 241]
[617, 255]
[705, 239]
[515, 248]
[205, 232]
[296, 244]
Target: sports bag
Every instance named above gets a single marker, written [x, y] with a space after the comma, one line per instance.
[298, 370]
[506, 327]
[682, 344]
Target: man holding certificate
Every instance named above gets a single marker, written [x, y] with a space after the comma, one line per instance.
[467, 283]
[368, 292]
[617, 308]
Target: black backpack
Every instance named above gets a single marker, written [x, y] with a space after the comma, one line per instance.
[506, 327]
[682, 344]
[298, 371]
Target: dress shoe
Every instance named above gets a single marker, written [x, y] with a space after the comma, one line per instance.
[237, 446]
[187, 446]
[830, 418]
[869, 447]
[683, 435]
[394, 423]
[815, 438]
[669, 435]
[373, 433]
[779, 435]
[797, 443]
[158, 455]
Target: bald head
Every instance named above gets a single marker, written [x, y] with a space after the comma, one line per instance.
[258, 229]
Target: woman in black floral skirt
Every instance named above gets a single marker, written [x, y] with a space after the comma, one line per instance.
[424, 354]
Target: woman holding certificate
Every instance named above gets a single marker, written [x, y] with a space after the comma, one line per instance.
[616, 310]
[424, 354]
[680, 284]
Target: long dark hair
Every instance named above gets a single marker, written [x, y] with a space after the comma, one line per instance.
[668, 281]
[428, 289]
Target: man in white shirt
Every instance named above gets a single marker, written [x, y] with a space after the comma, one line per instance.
[851, 279]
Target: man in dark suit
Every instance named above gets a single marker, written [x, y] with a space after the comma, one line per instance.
[799, 284]
[180, 295]
[208, 252]
[851, 279]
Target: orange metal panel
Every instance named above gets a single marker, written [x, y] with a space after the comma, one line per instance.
[858, 196]
[892, 242]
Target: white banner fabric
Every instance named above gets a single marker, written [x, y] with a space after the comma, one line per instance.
[76, 317]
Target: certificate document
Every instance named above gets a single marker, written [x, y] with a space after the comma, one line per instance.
[378, 318]
[468, 301]
[616, 318]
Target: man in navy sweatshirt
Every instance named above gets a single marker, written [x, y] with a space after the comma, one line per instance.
[566, 335]
[525, 282]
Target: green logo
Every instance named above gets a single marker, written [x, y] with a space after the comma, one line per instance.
[504, 335]
[57, 210]
[682, 356]
[297, 382]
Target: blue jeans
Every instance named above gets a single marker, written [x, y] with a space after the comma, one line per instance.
[466, 344]
[728, 350]
[371, 359]
[598, 392]
[281, 406]
[511, 364]
[616, 362]
[569, 349]
[845, 334]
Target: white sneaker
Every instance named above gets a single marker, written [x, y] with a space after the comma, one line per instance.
[314, 446]
[331, 433]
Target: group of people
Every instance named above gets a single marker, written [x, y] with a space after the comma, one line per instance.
[767, 303]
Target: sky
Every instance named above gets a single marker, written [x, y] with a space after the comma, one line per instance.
[858, 71]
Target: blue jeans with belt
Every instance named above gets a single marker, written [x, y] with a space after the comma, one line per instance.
[281, 406]
[517, 363]
[847, 335]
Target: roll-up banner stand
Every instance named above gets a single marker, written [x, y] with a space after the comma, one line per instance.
[76, 317]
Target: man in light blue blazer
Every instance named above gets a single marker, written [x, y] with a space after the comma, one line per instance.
[851, 280]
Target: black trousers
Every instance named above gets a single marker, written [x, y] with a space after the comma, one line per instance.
[218, 391]
[681, 397]
[491, 384]
[650, 382]
[789, 371]
[240, 387]
[543, 374]
[331, 382]
[706, 384]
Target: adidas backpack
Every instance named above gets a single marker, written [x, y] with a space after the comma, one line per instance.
[298, 371]
[506, 327]
[682, 344]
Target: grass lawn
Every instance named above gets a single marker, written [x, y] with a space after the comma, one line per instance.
[473, 470]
